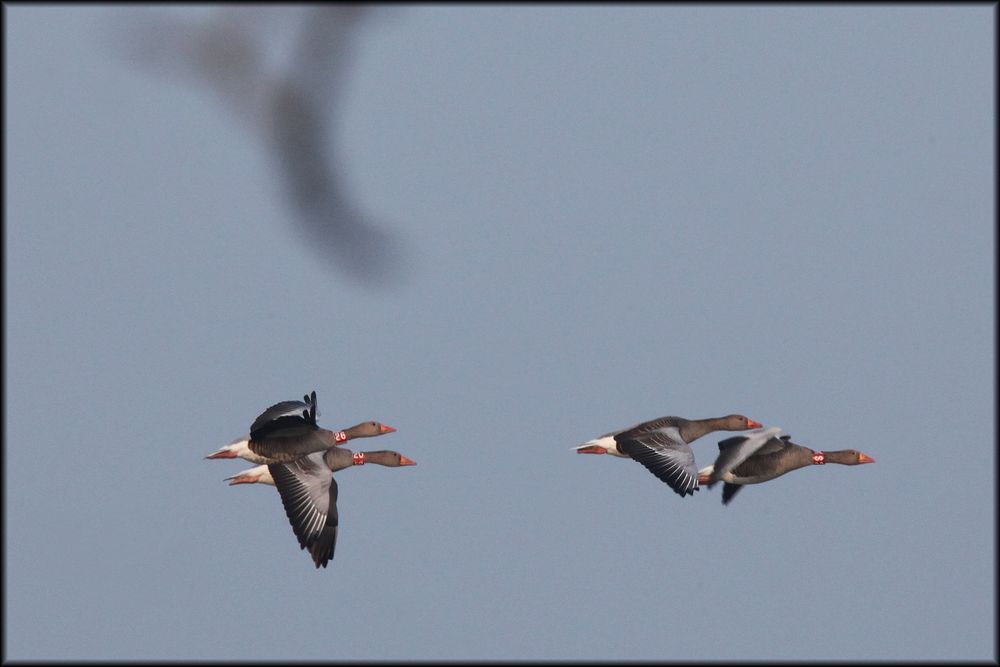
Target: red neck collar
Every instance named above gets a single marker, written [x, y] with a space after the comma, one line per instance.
[819, 458]
[359, 458]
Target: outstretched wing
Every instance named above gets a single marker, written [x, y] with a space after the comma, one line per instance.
[309, 495]
[663, 452]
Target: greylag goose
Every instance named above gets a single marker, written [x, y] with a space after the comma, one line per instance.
[661, 445]
[309, 494]
[762, 456]
[240, 447]
[288, 430]
[262, 475]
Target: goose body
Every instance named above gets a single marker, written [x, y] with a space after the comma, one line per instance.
[764, 455]
[662, 446]
[309, 494]
[288, 430]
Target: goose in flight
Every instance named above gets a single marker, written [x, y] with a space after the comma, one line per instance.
[760, 457]
[662, 446]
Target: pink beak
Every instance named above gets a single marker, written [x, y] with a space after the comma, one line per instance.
[593, 449]
[403, 461]
[386, 429]
[753, 424]
[864, 458]
[222, 454]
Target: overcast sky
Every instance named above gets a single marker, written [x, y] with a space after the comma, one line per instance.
[557, 221]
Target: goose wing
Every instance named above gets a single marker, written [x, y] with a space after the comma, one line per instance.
[309, 495]
[285, 414]
[662, 451]
[287, 430]
[734, 451]
[728, 491]
[279, 414]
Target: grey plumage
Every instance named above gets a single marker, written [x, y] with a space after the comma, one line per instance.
[762, 456]
[661, 446]
[275, 416]
[288, 430]
[737, 449]
[309, 495]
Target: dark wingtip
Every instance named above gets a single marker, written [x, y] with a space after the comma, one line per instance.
[729, 492]
[685, 493]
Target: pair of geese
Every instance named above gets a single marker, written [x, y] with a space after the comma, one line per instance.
[297, 456]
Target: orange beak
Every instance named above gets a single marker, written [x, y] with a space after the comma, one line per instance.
[385, 429]
[864, 458]
[223, 454]
[752, 424]
[403, 461]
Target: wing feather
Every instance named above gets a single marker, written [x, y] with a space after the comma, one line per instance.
[671, 460]
[279, 415]
[309, 496]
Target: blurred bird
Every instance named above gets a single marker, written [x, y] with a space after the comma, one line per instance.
[288, 106]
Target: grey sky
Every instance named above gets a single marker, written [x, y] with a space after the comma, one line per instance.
[609, 214]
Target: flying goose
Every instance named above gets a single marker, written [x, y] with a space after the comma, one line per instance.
[661, 445]
[287, 430]
[759, 457]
